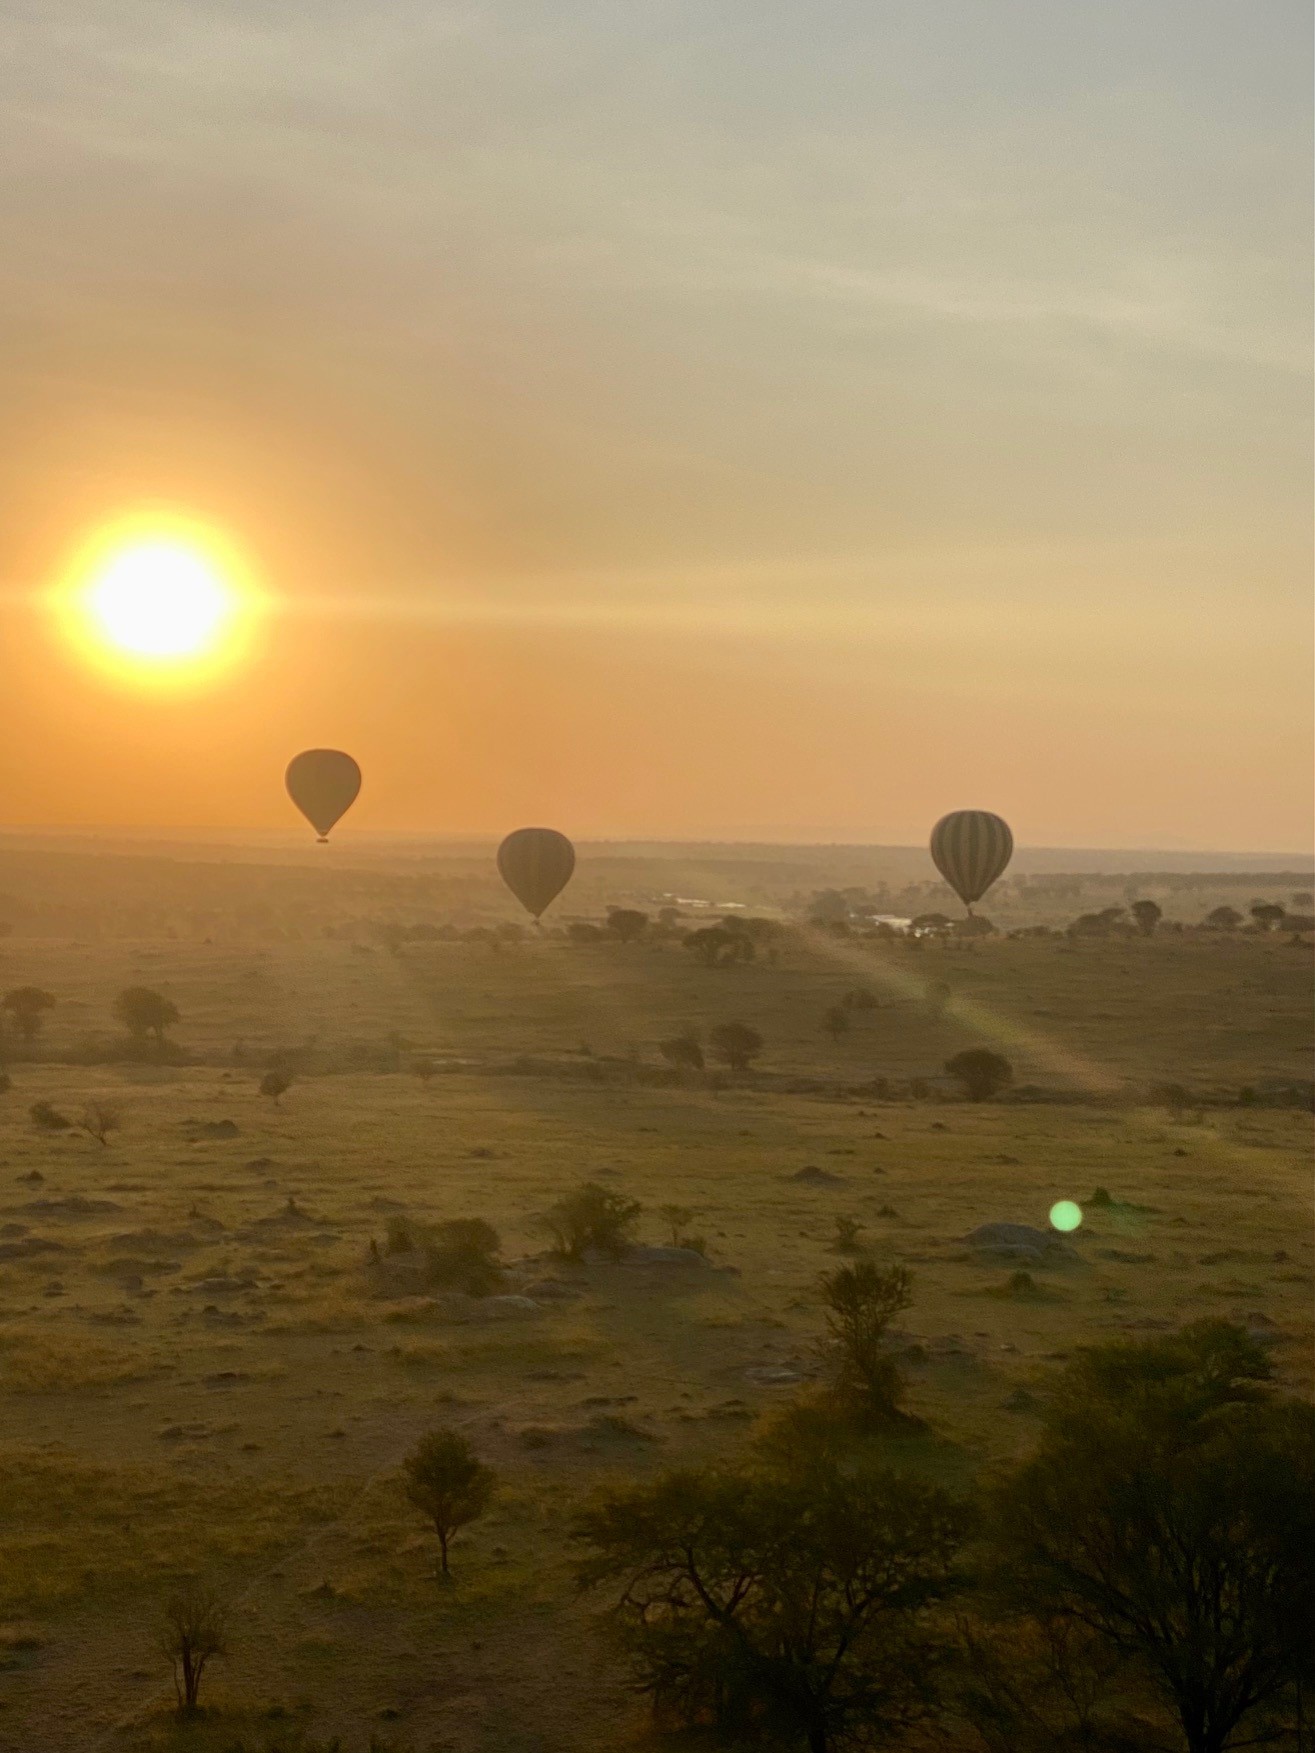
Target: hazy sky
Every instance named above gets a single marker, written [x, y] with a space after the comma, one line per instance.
[727, 417]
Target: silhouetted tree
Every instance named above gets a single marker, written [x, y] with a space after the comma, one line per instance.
[1170, 1509]
[676, 1218]
[194, 1632]
[626, 923]
[735, 1044]
[1224, 919]
[792, 1606]
[860, 1302]
[836, 1021]
[1147, 915]
[713, 945]
[980, 1071]
[145, 1012]
[27, 1005]
[423, 1069]
[931, 922]
[449, 1484]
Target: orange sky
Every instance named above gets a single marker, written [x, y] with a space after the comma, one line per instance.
[660, 423]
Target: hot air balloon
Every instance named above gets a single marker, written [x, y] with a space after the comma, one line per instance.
[536, 865]
[323, 784]
[971, 848]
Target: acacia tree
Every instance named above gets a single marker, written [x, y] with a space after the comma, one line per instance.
[792, 1605]
[626, 923]
[1268, 914]
[194, 1632]
[836, 1021]
[736, 1044]
[143, 1012]
[1224, 919]
[447, 1481]
[1170, 1511]
[27, 1005]
[99, 1119]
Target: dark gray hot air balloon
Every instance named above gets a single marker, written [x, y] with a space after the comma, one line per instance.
[971, 848]
[323, 784]
[536, 865]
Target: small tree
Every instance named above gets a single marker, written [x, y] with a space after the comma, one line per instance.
[194, 1632]
[1147, 915]
[27, 1005]
[861, 1301]
[682, 1051]
[99, 1119]
[423, 1070]
[1224, 919]
[1268, 914]
[980, 1071]
[836, 1021]
[275, 1085]
[144, 1012]
[592, 1217]
[736, 1045]
[626, 923]
[447, 1482]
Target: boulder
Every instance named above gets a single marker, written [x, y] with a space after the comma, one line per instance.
[1019, 1242]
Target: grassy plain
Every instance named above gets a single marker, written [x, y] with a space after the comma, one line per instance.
[196, 1376]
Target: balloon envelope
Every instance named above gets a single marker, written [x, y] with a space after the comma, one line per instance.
[536, 865]
[323, 784]
[971, 848]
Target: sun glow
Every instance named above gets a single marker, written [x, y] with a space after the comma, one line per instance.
[161, 601]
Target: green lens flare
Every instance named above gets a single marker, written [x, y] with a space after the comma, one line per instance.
[1065, 1214]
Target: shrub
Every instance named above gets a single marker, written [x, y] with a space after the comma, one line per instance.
[981, 1072]
[683, 1051]
[626, 923]
[592, 1217]
[861, 1301]
[424, 1069]
[677, 1218]
[845, 1240]
[448, 1483]
[48, 1117]
[836, 1021]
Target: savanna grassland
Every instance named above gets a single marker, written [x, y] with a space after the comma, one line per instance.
[202, 1371]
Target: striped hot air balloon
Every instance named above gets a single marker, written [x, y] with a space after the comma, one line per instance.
[536, 865]
[971, 848]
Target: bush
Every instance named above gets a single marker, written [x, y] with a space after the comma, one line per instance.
[27, 1005]
[460, 1254]
[275, 1085]
[682, 1051]
[626, 923]
[99, 1119]
[48, 1117]
[981, 1072]
[592, 1217]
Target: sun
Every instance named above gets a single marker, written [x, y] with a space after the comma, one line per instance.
[160, 601]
